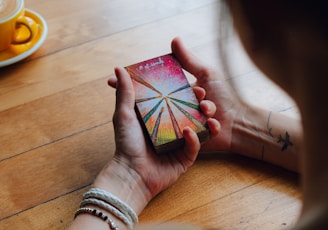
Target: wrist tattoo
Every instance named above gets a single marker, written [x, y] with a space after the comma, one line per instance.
[286, 141]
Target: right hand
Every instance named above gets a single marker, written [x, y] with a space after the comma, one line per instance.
[228, 105]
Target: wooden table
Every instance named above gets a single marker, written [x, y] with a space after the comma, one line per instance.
[56, 111]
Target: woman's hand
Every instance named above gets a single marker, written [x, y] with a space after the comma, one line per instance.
[132, 150]
[228, 104]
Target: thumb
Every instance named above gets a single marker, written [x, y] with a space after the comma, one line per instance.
[125, 96]
[188, 61]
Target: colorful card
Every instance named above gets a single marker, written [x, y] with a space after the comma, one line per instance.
[165, 102]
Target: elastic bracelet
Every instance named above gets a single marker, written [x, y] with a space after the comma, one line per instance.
[114, 201]
[109, 208]
[99, 214]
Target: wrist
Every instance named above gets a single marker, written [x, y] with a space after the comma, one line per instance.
[125, 183]
[248, 132]
[267, 136]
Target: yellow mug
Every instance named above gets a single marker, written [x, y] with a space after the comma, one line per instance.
[15, 28]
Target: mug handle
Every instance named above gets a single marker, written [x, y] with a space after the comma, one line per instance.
[30, 25]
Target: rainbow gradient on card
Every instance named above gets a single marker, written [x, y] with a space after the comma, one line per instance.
[165, 100]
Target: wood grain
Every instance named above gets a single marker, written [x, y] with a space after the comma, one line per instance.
[53, 170]
[78, 64]
[56, 118]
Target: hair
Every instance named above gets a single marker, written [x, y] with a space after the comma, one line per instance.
[268, 20]
[271, 18]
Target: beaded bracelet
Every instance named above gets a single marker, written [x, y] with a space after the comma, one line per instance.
[114, 201]
[109, 208]
[99, 214]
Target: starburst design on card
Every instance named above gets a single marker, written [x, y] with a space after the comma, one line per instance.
[165, 101]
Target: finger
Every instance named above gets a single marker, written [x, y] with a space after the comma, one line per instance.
[189, 62]
[125, 92]
[208, 108]
[112, 81]
[199, 92]
[191, 147]
[214, 126]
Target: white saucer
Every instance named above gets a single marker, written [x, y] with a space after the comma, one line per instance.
[13, 55]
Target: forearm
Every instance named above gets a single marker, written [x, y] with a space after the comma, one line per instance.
[268, 136]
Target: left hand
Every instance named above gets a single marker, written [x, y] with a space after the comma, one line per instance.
[132, 150]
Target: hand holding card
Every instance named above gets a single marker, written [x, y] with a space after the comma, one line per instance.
[165, 102]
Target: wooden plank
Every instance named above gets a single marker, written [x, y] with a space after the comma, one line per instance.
[56, 214]
[55, 169]
[274, 203]
[94, 60]
[52, 118]
[212, 179]
[93, 19]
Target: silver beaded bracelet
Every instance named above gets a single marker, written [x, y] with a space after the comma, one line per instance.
[99, 214]
[109, 208]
